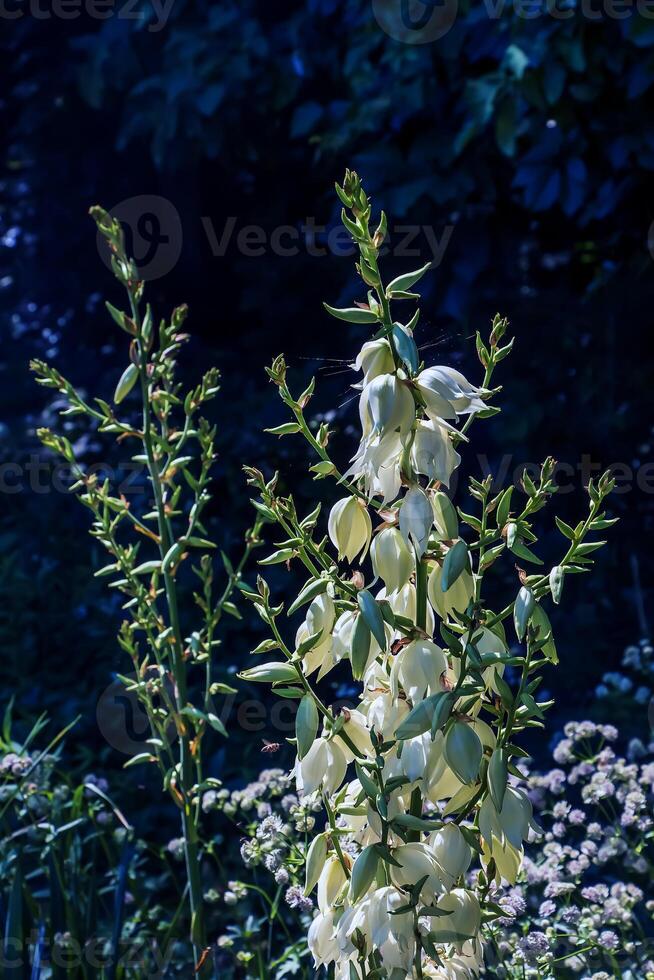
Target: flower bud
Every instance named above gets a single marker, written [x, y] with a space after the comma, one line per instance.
[350, 528]
[445, 517]
[392, 559]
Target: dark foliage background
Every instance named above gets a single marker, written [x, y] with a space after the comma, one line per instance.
[528, 141]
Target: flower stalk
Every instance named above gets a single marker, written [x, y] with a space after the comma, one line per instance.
[173, 664]
[419, 781]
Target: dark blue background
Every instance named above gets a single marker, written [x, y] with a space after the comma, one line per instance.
[531, 139]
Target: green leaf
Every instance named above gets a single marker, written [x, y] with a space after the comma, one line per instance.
[217, 724]
[352, 314]
[309, 643]
[402, 283]
[286, 429]
[522, 610]
[434, 709]
[363, 872]
[360, 647]
[306, 725]
[410, 822]
[587, 548]
[313, 588]
[520, 549]
[127, 381]
[557, 576]
[322, 469]
[147, 567]
[498, 777]
[277, 557]
[368, 784]
[269, 673]
[373, 616]
[463, 751]
[456, 561]
[565, 529]
[541, 619]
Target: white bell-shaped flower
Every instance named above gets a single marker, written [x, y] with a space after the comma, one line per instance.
[433, 453]
[324, 766]
[331, 883]
[452, 852]
[456, 598]
[417, 669]
[463, 920]
[322, 938]
[416, 519]
[386, 405]
[385, 714]
[350, 528]
[447, 393]
[416, 861]
[392, 559]
[375, 358]
[378, 464]
[403, 602]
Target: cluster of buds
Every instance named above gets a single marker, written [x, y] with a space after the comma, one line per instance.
[425, 815]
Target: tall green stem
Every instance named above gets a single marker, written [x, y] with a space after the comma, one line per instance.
[189, 829]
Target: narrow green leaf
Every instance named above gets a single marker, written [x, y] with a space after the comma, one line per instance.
[497, 777]
[313, 588]
[456, 560]
[363, 872]
[306, 725]
[277, 557]
[463, 751]
[373, 616]
[352, 314]
[360, 647]
[403, 283]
